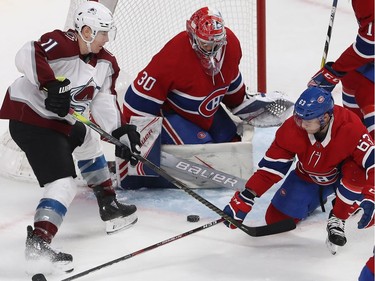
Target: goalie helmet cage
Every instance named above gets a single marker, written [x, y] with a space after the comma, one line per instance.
[144, 26]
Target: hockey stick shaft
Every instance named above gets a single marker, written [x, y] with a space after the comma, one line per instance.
[141, 251]
[278, 227]
[329, 33]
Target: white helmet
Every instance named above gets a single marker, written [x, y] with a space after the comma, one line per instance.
[96, 16]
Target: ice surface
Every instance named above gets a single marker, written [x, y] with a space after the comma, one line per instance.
[295, 40]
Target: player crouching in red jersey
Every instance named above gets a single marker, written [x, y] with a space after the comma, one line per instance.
[313, 138]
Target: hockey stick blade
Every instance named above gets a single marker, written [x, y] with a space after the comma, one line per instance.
[141, 251]
[252, 231]
[270, 229]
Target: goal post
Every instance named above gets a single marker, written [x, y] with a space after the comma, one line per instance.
[261, 47]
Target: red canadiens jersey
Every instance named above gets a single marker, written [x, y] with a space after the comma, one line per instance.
[316, 161]
[361, 52]
[57, 54]
[175, 80]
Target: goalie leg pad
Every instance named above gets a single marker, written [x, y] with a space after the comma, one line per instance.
[177, 130]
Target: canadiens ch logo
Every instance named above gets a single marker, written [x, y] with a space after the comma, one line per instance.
[201, 135]
[210, 104]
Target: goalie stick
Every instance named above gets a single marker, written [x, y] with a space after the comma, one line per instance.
[278, 227]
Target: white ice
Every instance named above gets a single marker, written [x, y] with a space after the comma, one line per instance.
[296, 31]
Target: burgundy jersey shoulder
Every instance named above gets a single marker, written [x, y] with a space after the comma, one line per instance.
[104, 54]
[59, 44]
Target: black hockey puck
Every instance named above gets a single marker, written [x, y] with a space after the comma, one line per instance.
[39, 277]
[193, 218]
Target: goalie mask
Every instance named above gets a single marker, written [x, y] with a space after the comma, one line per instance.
[208, 38]
[96, 16]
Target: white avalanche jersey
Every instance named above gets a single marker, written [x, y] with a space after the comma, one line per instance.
[56, 54]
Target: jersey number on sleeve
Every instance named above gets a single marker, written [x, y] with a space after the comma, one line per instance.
[147, 82]
[49, 45]
[364, 143]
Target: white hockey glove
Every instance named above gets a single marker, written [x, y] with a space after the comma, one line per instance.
[264, 110]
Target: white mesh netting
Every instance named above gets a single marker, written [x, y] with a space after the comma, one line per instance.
[144, 26]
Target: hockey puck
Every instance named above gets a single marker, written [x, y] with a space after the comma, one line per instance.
[193, 218]
[39, 277]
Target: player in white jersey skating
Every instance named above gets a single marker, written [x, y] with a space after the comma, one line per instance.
[64, 70]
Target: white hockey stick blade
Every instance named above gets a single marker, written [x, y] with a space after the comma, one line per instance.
[201, 175]
[122, 223]
[332, 248]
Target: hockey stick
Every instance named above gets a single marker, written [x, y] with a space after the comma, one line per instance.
[329, 33]
[141, 251]
[279, 227]
[41, 277]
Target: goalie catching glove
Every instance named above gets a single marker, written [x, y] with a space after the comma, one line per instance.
[128, 135]
[58, 96]
[264, 110]
[239, 206]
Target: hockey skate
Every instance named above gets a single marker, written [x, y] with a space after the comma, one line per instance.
[116, 215]
[336, 233]
[41, 257]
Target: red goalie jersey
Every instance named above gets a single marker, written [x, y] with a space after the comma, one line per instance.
[175, 80]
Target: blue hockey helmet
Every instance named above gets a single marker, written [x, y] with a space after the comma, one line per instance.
[314, 102]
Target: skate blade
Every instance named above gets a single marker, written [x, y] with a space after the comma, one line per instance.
[47, 267]
[331, 247]
[119, 224]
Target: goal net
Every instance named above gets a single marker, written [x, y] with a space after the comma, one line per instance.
[145, 26]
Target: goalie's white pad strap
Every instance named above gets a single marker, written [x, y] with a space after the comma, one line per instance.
[150, 131]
